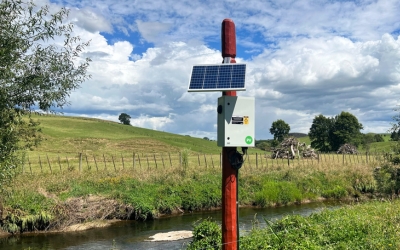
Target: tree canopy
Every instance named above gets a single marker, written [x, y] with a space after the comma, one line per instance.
[328, 134]
[36, 73]
[320, 133]
[125, 119]
[279, 129]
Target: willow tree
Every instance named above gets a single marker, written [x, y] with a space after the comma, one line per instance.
[37, 73]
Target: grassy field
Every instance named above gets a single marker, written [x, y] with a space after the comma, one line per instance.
[64, 136]
[72, 135]
[84, 144]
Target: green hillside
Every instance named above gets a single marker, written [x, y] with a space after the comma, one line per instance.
[64, 134]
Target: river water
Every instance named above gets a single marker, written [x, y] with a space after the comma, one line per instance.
[135, 235]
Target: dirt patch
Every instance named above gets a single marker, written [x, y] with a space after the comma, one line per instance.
[88, 212]
[46, 194]
[3, 234]
[171, 236]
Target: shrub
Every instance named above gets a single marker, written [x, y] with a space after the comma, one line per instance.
[388, 179]
[279, 192]
[206, 235]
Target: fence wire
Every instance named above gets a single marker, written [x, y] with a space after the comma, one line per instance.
[53, 163]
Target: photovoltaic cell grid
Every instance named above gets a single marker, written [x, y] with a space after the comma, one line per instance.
[218, 77]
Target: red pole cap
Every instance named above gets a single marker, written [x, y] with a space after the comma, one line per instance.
[228, 38]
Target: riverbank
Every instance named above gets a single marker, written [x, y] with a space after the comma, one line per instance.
[373, 225]
[54, 202]
[4, 234]
[369, 225]
[91, 223]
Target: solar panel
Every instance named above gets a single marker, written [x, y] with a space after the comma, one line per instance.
[220, 77]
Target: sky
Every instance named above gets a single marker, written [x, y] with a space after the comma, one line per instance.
[303, 57]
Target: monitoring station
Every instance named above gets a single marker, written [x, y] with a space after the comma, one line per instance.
[236, 124]
[236, 115]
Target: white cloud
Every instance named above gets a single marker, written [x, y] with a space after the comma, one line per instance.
[295, 83]
[90, 21]
[156, 123]
[306, 58]
[152, 31]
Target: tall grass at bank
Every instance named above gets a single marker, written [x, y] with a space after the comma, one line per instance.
[371, 225]
[374, 225]
[152, 192]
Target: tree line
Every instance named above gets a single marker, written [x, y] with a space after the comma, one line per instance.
[329, 133]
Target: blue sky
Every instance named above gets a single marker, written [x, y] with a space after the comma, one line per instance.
[304, 58]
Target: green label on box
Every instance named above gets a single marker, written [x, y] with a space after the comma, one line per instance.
[249, 139]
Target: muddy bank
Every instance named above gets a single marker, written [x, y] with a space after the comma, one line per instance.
[83, 213]
[3, 234]
[74, 214]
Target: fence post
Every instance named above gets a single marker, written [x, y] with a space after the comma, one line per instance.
[95, 162]
[30, 167]
[105, 165]
[198, 158]
[162, 159]
[343, 158]
[40, 162]
[123, 163]
[180, 159]
[66, 157]
[366, 156]
[288, 161]
[212, 161]
[148, 165]
[256, 160]
[205, 160]
[80, 162]
[155, 161]
[112, 157]
[87, 162]
[133, 160]
[48, 161]
[169, 156]
[59, 163]
[248, 157]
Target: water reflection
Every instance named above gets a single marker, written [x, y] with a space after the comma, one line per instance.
[133, 235]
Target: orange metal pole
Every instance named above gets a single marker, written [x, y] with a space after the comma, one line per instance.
[229, 175]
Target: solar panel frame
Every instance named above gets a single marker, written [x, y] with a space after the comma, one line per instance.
[218, 77]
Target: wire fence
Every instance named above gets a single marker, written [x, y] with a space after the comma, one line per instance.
[53, 163]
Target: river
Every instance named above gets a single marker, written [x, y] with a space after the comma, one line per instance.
[135, 235]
